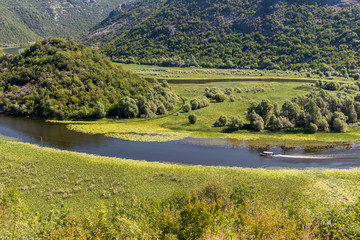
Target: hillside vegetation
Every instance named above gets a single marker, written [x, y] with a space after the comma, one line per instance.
[58, 78]
[29, 20]
[247, 34]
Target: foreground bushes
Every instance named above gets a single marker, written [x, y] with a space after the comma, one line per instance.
[210, 213]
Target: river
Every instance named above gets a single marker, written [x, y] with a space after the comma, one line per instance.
[188, 151]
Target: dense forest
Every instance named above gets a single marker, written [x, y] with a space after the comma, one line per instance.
[23, 21]
[60, 79]
[227, 33]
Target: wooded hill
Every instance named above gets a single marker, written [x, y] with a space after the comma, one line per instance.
[270, 34]
[61, 79]
[23, 21]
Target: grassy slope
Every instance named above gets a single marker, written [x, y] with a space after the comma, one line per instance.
[39, 173]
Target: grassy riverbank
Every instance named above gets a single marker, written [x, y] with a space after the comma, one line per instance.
[174, 127]
[284, 200]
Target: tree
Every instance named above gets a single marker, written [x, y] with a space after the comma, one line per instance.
[340, 125]
[290, 110]
[221, 121]
[264, 110]
[256, 121]
[192, 118]
[276, 124]
[235, 122]
[276, 109]
[99, 110]
[127, 108]
[187, 108]
[313, 128]
[313, 114]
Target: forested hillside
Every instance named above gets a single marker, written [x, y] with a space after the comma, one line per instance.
[61, 79]
[22, 21]
[270, 34]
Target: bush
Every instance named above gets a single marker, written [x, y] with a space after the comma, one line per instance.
[199, 103]
[127, 108]
[192, 118]
[221, 121]
[323, 125]
[258, 125]
[340, 125]
[99, 110]
[220, 97]
[235, 122]
[186, 108]
[313, 128]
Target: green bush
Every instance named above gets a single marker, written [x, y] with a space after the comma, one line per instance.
[192, 118]
[221, 121]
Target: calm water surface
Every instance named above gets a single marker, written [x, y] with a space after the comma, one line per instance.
[14, 51]
[188, 151]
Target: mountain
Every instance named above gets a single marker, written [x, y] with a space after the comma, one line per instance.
[60, 79]
[271, 34]
[22, 21]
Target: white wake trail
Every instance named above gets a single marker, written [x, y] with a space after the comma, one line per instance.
[304, 157]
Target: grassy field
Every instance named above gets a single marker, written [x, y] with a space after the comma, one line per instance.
[175, 127]
[150, 71]
[46, 176]
[50, 180]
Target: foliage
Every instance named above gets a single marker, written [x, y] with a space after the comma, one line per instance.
[187, 108]
[200, 102]
[221, 121]
[271, 35]
[235, 122]
[57, 78]
[192, 118]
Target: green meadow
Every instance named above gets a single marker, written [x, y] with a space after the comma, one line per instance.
[57, 194]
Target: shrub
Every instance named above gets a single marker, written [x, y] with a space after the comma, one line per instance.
[199, 103]
[235, 122]
[323, 125]
[340, 125]
[192, 118]
[221, 121]
[127, 108]
[220, 97]
[259, 125]
[313, 128]
[187, 108]
[99, 110]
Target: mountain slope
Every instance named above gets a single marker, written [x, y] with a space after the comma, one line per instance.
[22, 21]
[268, 34]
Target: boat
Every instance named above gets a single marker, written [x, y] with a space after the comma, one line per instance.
[266, 154]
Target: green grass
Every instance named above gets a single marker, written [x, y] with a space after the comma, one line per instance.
[47, 177]
[178, 73]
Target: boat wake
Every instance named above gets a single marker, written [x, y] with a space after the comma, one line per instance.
[304, 157]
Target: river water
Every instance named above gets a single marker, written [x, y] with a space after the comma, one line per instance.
[188, 151]
[14, 51]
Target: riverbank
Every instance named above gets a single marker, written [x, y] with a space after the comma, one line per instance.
[175, 127]
[53, 180]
